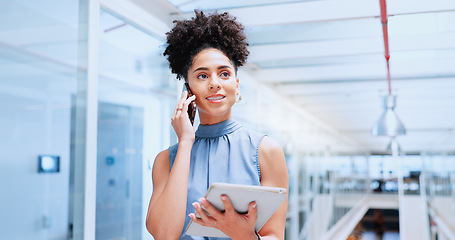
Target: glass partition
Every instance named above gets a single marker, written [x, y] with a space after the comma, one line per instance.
[135, 90]
[38, 85]
[439, 182]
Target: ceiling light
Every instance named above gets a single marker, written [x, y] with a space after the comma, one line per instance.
[388, 123]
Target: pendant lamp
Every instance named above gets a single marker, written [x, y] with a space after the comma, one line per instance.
[388, 124]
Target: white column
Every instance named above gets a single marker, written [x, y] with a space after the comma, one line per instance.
[86, 117]
[92, 120]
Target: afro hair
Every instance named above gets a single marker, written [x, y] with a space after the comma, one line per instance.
[218, 30]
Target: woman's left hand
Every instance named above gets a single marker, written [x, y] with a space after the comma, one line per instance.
[233, 224]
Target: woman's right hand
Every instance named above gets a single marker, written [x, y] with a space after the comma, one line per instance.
[181, 121]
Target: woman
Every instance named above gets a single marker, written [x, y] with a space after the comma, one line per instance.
[206, 51]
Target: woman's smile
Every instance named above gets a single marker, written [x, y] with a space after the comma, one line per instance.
[216, 98]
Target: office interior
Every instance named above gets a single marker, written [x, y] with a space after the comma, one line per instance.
[86, 99]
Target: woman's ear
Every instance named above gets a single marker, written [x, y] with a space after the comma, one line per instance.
[238, 85]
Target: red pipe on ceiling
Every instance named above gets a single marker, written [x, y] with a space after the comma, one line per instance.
[385, 34]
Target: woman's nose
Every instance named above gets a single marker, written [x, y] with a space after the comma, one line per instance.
[214, 82]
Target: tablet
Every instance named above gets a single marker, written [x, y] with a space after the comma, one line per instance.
[268, 199]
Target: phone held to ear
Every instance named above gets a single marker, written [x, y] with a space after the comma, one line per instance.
[191, 106]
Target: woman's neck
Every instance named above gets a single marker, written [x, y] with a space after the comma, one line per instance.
[210, 120]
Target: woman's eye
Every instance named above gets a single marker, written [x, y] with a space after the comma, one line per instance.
[225, 74]
[202, 76]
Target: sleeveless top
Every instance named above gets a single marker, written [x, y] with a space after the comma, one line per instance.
[224, 152]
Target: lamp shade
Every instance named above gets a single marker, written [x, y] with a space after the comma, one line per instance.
[388, 123]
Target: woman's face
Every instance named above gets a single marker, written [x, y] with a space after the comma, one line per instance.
[212, 79]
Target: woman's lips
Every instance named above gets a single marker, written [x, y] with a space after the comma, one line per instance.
[215, 98]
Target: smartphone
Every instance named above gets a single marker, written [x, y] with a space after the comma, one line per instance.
[192, 106]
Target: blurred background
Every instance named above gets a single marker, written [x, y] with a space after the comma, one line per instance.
[86, 99]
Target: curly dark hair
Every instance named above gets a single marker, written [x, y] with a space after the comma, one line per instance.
[218, 30]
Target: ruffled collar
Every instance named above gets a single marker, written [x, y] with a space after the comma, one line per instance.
[218, 129]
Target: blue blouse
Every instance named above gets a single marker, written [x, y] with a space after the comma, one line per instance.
[224, 152]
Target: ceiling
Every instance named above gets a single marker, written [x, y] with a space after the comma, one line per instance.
[325, 56]
[328, 58]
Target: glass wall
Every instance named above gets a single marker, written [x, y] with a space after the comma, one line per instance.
[43, 121]
[38, 83]
[439, 181]
[134, 92]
